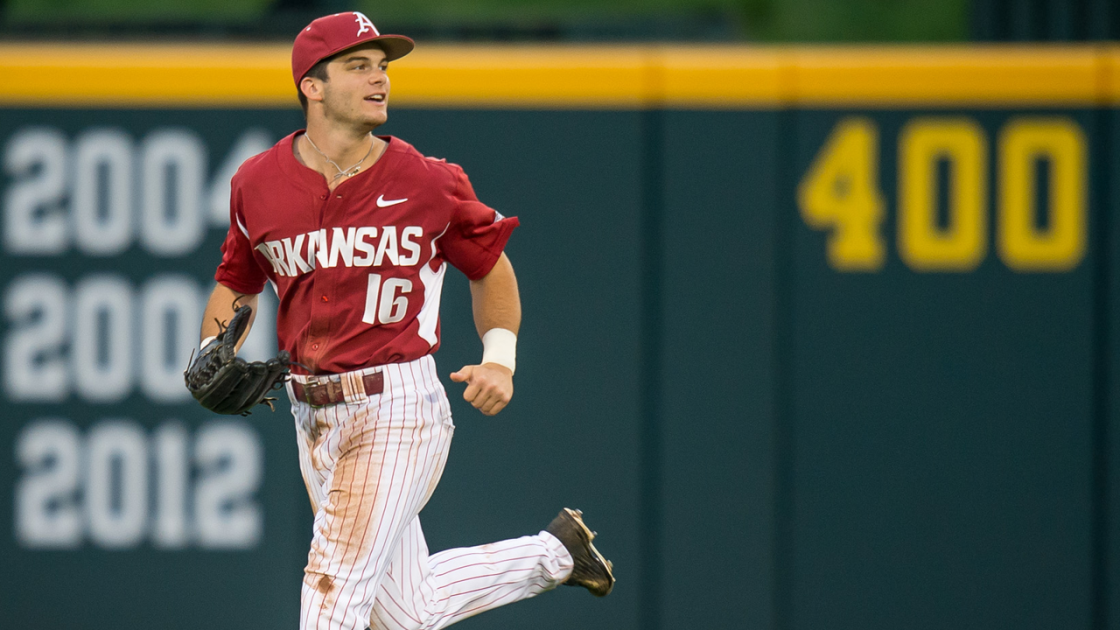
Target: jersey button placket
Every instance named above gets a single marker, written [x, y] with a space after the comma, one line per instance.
[319, 328]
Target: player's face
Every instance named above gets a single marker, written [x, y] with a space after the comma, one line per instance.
[357, 92]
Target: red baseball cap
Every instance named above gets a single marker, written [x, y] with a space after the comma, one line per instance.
[333, 34]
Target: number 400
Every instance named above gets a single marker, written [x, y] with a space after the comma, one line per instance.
[840, 193]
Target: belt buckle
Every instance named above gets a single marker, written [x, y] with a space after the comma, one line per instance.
[317, 395]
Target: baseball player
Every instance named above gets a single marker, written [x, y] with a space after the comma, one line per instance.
[354, 232]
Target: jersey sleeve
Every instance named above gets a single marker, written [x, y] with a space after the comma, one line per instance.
[239, 269]
[477, 235]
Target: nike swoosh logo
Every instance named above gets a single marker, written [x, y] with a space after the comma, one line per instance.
[382, 202]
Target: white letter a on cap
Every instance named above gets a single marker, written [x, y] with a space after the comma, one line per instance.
[364, 24]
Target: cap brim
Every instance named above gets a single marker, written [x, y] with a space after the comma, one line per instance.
[395, 46]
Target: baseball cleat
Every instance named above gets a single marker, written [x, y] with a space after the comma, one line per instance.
[590, 569]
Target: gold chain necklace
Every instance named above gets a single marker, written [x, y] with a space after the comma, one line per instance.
[349, 172]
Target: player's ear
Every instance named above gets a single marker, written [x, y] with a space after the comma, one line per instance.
[312, 88]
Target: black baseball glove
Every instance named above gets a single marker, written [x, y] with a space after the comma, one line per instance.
[225, 383]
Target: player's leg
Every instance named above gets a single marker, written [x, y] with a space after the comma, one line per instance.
[314, 477]
[402, 597]
[433, 592]
[382, 458]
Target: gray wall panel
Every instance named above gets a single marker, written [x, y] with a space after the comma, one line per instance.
[717, 401]
[942, 428]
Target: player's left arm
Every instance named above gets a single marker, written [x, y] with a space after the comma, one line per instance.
[497, 316]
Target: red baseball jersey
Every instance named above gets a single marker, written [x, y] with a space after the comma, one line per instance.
[358, 270]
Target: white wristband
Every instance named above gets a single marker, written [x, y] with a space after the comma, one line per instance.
[206, 341]
[500, 346]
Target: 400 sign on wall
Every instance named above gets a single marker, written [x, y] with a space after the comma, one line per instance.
[1040, 194]
[108, 235]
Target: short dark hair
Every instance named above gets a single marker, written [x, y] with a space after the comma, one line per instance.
[317, 71]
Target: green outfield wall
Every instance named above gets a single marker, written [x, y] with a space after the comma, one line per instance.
[816, 337]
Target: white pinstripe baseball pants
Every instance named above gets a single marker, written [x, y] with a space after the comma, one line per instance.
[370, 465]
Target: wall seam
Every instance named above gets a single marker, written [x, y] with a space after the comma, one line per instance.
[1102, 377]
[783, 506]
[651, 376]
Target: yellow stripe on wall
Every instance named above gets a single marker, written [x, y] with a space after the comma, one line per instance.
[83, 75]
[546, 76]
[524, 76]
[723, 76]
[980, 75]
[1110, 74]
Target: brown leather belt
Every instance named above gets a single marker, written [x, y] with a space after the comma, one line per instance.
[329, 392]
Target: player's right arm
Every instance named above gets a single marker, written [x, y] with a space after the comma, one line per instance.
[223, 302]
